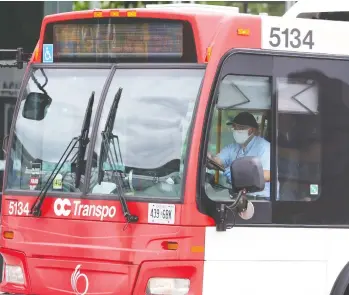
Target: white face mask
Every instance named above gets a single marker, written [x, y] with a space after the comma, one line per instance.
[240, 136]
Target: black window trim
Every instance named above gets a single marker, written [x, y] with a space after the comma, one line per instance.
[113, 67]
[204, 204]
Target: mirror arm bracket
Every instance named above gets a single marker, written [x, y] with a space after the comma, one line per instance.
[239, 205]
[221, 220]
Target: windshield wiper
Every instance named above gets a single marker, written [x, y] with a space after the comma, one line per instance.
[108, 138]
[83, 140]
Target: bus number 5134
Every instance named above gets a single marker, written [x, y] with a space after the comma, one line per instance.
[18, 208]
[291, 38]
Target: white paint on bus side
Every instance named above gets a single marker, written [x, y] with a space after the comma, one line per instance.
[304, 35]
[274, 260]
[316, 6]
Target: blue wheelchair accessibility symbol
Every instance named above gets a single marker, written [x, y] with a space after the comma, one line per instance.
[47, 53]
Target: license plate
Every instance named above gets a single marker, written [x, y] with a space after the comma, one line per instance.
[161, 213]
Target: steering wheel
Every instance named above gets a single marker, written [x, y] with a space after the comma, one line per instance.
[215, 165]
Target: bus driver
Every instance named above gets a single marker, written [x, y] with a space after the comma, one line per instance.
[247, 143]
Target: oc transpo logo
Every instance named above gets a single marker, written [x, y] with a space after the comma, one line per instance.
[61, 207]
[66, 207]
[76, 275]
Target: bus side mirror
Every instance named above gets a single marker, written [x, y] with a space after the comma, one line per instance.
[247, 174]
[246, 177]
[35, 106]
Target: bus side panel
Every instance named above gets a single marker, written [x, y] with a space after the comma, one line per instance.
[273, 261]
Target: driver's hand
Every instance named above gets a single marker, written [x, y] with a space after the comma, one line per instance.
[208, 164]
[227, 174]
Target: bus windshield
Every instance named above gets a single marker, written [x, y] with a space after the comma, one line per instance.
[150, 128]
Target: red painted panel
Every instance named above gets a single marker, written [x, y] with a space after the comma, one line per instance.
[50, 247]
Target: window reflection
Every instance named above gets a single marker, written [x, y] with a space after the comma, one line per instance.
[151, 123]
[39, 145]
[299, 141]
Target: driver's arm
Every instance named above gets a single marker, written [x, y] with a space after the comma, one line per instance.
[225, 156]
[218, 160]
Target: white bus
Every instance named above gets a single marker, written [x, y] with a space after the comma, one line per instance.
[336, 10]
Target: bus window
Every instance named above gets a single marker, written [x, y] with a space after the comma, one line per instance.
[299, 142]
[333, 15]
[39, 144]
[10, 81]
[243, 105]
[313, 162]
[150, 131]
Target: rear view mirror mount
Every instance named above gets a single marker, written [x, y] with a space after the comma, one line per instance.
[35, 106]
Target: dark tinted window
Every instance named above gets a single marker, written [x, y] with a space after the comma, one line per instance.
[333, 15]
[299, 139]
[319, 140]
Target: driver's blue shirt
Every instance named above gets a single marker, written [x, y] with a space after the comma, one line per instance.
[257, 147]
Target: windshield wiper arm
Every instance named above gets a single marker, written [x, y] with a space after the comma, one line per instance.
[108, 136]
[83, 140]
[107, 139]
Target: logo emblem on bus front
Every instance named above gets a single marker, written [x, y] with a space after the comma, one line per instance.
[76, 275]
[60, 207]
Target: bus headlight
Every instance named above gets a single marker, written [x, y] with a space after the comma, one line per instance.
[168, 286]
[14, 274]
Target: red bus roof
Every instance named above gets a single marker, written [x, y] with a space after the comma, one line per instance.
[205, 24]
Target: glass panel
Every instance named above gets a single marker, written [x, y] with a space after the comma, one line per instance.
[297, 96]
[244, 92]
[313, 159]
[253, 95]
[10, 82]
[150, 131]
[299, 140]
[39, 144]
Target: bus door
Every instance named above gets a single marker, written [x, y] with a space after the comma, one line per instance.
[7, 106]
[288, 246]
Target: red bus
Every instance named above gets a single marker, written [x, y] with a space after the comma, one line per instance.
[179, 151]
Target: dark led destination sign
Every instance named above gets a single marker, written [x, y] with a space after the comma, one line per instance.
[131, 39]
